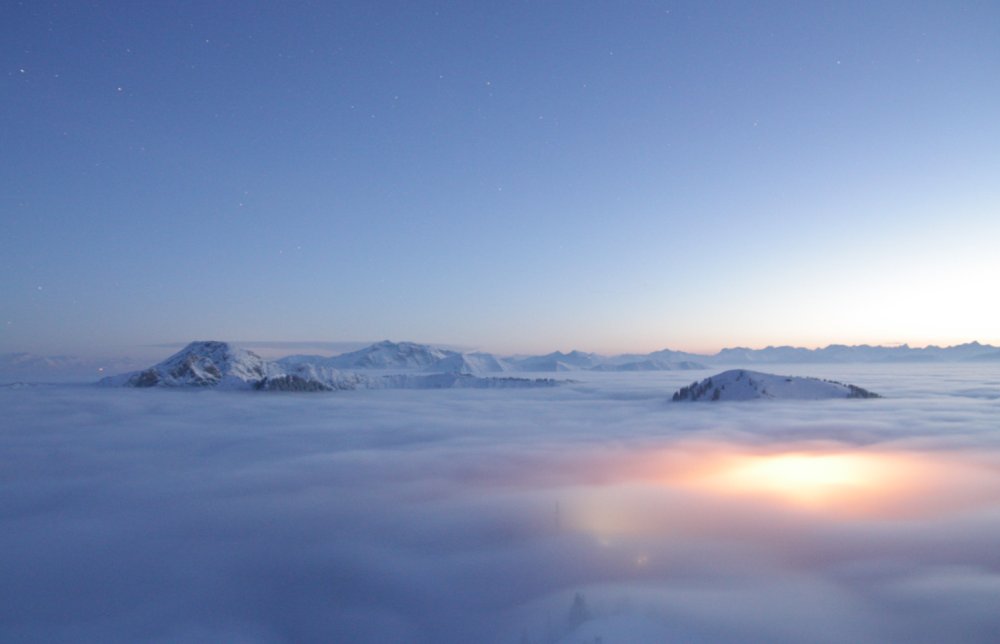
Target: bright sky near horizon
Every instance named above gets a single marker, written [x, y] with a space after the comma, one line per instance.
[514, 176]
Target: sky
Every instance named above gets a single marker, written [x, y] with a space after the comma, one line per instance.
[478, 515]
[516, 177]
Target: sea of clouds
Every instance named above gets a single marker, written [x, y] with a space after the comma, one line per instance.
[597, 509]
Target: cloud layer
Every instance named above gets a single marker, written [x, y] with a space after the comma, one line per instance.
[452, 516]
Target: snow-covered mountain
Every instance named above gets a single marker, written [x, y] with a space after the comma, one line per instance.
[390, 355]
[740, 384]
[472, 363]
[840, 353]
[203, 364]
[406, 357]
[30, 361]
[557, 361]
[221, 365]
[29, 367]
[665, 360]
[456, 381]
[649, 364]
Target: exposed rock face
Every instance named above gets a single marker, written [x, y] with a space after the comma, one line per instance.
[291, 383]
[148, 378]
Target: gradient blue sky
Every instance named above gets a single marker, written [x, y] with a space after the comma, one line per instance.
[515, 177]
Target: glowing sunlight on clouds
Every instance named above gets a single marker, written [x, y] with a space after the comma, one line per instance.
[811, 480]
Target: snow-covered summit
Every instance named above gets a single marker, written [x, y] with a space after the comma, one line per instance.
[741, 384]
[203, 364]
[390, 355]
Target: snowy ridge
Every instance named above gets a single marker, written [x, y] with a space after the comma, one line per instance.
[740, 384]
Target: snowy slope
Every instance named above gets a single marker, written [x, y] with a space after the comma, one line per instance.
[740, 384]
[665, 360]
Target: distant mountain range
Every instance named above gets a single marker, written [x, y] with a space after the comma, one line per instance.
[669, 360]
[972, 351]
[742, 384]
[29, 367]
[412, 358]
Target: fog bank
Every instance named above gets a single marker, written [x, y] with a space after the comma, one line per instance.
[454, 516]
